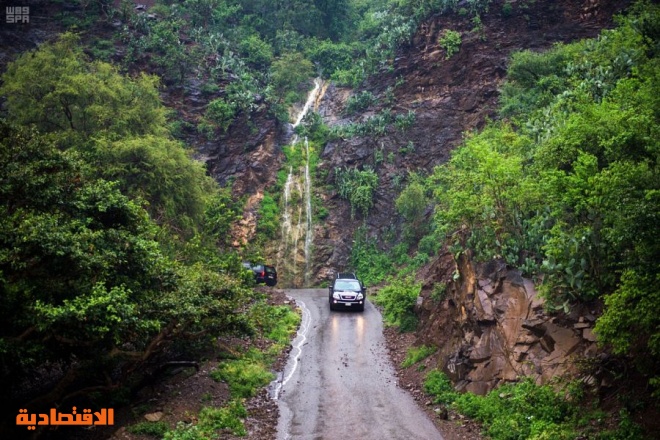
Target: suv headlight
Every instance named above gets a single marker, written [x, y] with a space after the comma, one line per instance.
[335, 295]
[360, 296]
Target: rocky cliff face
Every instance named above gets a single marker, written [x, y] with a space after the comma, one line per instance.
[491, 327]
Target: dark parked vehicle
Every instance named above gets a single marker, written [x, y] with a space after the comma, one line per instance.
[348, 293]
[263, 273]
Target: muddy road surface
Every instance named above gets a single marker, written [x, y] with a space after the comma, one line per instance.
[339, 383]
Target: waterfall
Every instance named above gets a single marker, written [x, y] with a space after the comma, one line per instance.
[295, 250]
[311, 98]
[286, 212]
[308, 215]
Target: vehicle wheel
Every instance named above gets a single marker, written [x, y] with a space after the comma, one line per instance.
[332, 307]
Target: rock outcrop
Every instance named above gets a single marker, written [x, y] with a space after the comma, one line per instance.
[491, 327]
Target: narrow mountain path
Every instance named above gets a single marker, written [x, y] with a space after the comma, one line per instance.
[339, 382]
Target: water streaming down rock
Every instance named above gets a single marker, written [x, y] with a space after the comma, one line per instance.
[308, 215]
[294, 253]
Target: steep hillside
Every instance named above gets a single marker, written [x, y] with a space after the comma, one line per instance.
[448, 97]
[444, 98]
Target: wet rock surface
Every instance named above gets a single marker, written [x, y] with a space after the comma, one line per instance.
[491, 327]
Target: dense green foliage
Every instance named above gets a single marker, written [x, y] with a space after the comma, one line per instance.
[520, 411]
[439, 387]
[412, 204]
[358, 187]
[568, 187]
[59, 91]
[109, 232]
[117, 125]
[375, 265]
[398, 299]
[524, 410]
[371, 264]
[269, 218]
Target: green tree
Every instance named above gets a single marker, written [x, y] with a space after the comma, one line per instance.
[335, 16]
[331, 57]
[159, 171]
[398, 300]
[220, 113]
[168, 50]
[483, 188]
[72, 246]
[289, 72]
[85, 283]
[256, 51]
[117, 123]
[211, 13]
[58, 90]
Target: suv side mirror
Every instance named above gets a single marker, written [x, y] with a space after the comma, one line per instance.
[364, 289]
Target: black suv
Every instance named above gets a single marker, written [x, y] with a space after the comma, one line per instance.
[263, 273]
[348, 292]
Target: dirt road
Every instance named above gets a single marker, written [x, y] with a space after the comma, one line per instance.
[339, 383]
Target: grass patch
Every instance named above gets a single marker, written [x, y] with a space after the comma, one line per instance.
[277, 323]
[229, 417]
[154, 429]
[285, 323]
[438, 386]
[416, 354]
[250, 372]
[244, 376]
[211, 422]
[520, 411]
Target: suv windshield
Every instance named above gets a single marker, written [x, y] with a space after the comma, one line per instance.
[347, 285]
